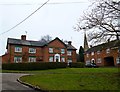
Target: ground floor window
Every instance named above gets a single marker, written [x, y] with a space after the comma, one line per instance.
[118, 60]
[69, 61]
[63, 59]
[17, 59]
[51, 59]
[99, 60]
[32, 59]
[87, 61]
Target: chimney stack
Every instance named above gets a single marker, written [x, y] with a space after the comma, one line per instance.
[69, 42]
[23, 37]
[91, 46]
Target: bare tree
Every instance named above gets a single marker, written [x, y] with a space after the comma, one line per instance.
[102, 21]
[46, 38]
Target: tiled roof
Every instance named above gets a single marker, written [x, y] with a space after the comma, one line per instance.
[35, 43]
[111, 44]
[25, 42]
[70, 47]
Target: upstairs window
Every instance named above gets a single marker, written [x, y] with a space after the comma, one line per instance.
[87, 54]
[69, 53]
[17, 59]
[32, 50]
[92, 53]
[62, 51]
[32, 59]
[98, 52]
[18, 49]
[108, 50]
[50, 50]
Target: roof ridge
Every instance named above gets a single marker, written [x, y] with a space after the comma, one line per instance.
[110, 44]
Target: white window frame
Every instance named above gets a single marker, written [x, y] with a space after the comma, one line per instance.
[32, 59]
[62, 51]
[87, 54]
[50, 50]
[69, 61]
[63, 59]
[51, 59]
[118, 60]
[18, 49]
[92, 53]
[118, 50]
[17, 59]
[98, 52]
[69, 53]
[99, 60]
[32, 50]
[87, 62]
[108, 50]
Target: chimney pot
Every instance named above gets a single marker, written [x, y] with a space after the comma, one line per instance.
[69, 42]
[23, 37]
[91, 46]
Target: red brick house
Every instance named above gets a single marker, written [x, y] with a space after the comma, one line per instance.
[22, 50]
[106, 54]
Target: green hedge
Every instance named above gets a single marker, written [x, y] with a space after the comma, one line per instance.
[33, 66]
[77, 65]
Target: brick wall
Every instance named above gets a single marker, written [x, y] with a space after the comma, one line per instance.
[42, 53]
[112, 54]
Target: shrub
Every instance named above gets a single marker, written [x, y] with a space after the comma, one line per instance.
[77, 65]
[33, 66]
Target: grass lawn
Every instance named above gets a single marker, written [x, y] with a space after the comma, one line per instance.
[75, 79]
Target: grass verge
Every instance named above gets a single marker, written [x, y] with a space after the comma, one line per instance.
[75, 79]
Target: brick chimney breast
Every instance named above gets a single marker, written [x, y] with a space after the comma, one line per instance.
[23, 37]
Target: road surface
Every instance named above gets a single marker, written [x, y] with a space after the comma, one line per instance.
[10, 84]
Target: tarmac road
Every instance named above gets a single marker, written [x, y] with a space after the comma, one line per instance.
[10, 84]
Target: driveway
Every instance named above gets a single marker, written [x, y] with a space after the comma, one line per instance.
[9, 83]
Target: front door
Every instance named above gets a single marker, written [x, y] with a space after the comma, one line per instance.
[57, 58]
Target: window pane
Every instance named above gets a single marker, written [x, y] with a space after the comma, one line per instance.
[62, 51]
[69, 53]
[98, 52]
[99, 60]
[107, 50]
[50, 59]
[87, 55]
[17, 59]
[63, 59]
[88, 62]
[92, 53]
[118, 60]
[32, 59]
[50, 50]
[18, 49]
[32, 50]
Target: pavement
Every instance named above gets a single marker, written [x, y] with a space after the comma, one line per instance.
[10, 83]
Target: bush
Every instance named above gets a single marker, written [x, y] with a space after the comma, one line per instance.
[33, 66]
[77, 65]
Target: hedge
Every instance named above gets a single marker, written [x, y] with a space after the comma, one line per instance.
[77, 65]
[33, 66]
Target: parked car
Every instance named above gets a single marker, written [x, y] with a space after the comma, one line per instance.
[91, 65]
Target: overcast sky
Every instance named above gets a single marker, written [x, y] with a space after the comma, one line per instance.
[57, 19]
